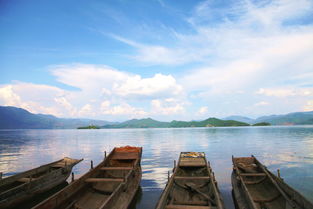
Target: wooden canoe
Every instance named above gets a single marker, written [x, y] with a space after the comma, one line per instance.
[23, 186]
[192, 185]
[255, 187]
[110, 185]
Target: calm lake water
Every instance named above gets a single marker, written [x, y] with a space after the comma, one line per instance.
[288, 148]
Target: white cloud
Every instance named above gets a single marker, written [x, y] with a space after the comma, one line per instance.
[262, 103]
[124, 109]
[285, 92]
[35, 98]
[102, 92]
[86, 110]
[8, 97]
[308, 106]
[93, 79]
[159, 85]
[168, 106]
[203, 110]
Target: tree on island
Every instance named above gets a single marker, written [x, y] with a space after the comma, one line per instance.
[89, 127]
[262, 124]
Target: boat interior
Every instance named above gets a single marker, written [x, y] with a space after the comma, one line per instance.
[12, 182]
[261, 188]
[107, 179]
[191, 184]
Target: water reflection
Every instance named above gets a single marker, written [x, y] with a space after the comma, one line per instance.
[286, 148]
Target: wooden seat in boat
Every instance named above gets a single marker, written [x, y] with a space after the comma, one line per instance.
[115, 168]
[91, 180]
[191, 177]
[252, 174]
[192, 162]
[188, 207]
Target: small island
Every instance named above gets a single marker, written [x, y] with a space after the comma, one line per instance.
[89, 127]
[262, 124]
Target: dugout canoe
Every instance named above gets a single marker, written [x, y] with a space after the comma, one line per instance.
[23, 186]
[110, 185]
[192, 185]
[255, 187]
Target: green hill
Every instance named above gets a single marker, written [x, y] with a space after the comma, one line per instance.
[139, 123]
[150, 123]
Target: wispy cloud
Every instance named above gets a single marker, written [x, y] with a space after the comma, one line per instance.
[245, 56]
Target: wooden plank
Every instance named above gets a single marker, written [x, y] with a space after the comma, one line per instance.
[192, 162]
[252, 174]
[91, 180]
[58, 166]
[192, 203]
[125, 156]
[115, 168]
[188, 207]
[26, 179]
[192, 177]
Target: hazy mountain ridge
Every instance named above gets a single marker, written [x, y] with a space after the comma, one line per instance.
[296, 118]
[18, 118]
[240, 118]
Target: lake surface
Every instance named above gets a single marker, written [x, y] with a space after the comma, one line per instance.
[289, 149]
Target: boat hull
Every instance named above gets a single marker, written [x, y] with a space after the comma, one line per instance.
[240, 201]
[27, 187]
[192, 185]
[255, 187]
[111, 184]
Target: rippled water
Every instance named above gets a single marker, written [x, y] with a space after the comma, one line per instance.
[288, 148]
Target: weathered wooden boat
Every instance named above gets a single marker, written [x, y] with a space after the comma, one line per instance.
[110, 185]
[23, 186]
[255, 187]
[192, 185]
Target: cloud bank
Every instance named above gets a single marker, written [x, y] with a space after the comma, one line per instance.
[249, 58]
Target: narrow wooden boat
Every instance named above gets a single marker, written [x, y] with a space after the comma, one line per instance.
[23, 186]
[110, 185]
[255, 187]
[192, 185]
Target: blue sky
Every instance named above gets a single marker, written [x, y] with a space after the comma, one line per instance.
[117, 60]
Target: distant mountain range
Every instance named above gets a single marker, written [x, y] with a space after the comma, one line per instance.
[18, 118]
[150, 123]
[296, 118]
[240, 118]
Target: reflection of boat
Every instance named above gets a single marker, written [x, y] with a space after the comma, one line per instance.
[192, 185]
[254, 187]
[23, 186]
[112, 184]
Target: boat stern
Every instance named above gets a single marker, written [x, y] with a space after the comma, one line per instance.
[192, 159]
